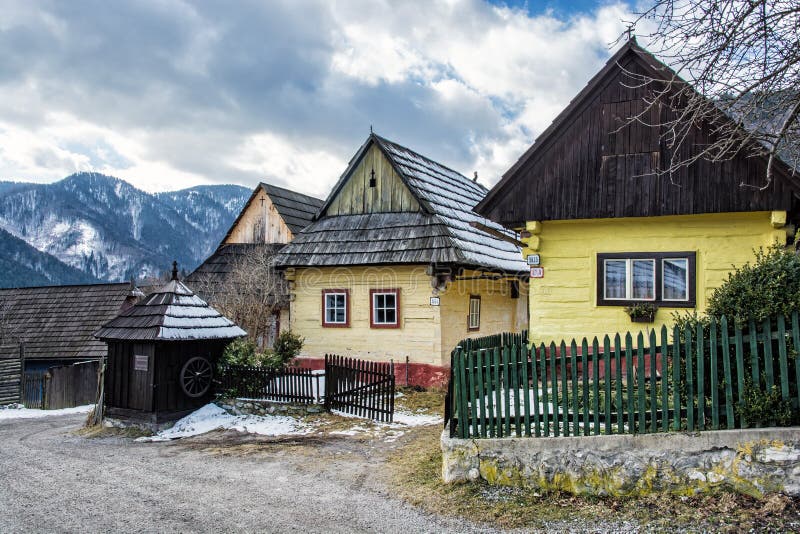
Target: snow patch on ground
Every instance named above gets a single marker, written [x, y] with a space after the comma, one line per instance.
[212, 417]
[20, 412]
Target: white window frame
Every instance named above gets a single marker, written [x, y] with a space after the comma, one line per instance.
[688, 279]
[325, 320]
[374, 318]
[474, 316]
[629, 279]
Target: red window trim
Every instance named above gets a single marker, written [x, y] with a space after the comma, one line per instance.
[372, 308]
[346, 323]
[469, 312]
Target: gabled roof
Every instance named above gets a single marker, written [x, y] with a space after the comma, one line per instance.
[441, 232]
[296, 209]
[632, 54]
[171, 313]
[56, 322]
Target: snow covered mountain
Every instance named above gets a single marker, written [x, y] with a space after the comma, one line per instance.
[110, 230]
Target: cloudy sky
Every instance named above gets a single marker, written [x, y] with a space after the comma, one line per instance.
[170, 94]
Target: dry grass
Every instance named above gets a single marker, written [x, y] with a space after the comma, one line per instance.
[416, 478]
[100, 431]
[429, 401]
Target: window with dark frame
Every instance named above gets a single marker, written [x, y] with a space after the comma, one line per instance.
[662, 278]
[384, 308]
[335, 308]
[474, 316]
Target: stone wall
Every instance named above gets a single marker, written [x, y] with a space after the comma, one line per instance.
[265, 407]
[752, 461]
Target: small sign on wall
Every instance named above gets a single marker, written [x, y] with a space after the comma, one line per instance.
[140, 362]
[537, 272]
[534, 259]
[434, 301]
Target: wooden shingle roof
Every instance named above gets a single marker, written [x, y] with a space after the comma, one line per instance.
[171, 313]
[445, 230]
[296, 209]
[57, 322]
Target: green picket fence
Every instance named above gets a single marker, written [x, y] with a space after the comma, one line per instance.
[692, 379]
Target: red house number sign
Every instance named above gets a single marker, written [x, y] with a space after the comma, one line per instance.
[537, 272]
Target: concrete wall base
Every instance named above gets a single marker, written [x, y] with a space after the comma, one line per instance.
[755, 462]
[265, 407]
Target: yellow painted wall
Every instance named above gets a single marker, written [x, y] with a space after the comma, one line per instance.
[419, 335]
[499, 312]
[260, 223]
[563, 304]
[427, 333]
[390, 194]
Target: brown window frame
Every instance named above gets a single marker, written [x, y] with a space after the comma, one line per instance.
[471, 328]
[372, 293]
[325, 293]
[658, 257]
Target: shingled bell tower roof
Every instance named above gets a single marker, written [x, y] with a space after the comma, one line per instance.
[171, 313]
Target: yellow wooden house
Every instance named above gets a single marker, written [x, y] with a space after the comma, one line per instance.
[607, 230]
[270, 218]
[397, 266]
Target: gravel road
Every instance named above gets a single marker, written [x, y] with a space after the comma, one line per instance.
[56, 481]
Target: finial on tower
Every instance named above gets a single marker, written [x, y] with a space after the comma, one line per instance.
[370, 129]
[175, 270]
[629, 31]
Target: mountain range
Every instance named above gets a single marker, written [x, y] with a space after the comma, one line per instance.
[91, 227]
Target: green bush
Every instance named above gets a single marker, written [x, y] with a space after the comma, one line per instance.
[767, 288]
[287, 346]
[241, 351]
[762, 407]
[244, 352]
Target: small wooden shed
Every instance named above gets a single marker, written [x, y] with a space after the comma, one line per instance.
[162, 355]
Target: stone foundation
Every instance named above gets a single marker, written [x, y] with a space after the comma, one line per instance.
[265, 407]
[752, 461]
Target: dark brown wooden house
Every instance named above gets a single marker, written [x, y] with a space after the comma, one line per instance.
[162, 354]
[43, 327]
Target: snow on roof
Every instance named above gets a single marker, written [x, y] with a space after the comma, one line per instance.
[172, 313]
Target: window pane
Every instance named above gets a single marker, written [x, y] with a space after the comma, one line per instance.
[644, 280]
[390, 316]
[388, 301]
[339, 315]
[615, 279]
[380, 316]
[675, 278]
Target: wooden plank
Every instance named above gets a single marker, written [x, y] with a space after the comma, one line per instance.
[472, 385]
[585, 384]
[726, 367]
[714, 377]
[523, 350]
[515, 383]
[782, 359]
[507, 390]
[739, 358]
[564, 388]
[554, 388]
[755, 375]
[607, 382]
[618, 383]
[641, 384]
[701, 397]
[676, 377]
[535, 378]
[498, 392]
[576, 405]
[688, 358]
[652, 383]
[769, 371]
[631, 405]
[481, 392]
[796, 343]
[596, 385]
[664, 379]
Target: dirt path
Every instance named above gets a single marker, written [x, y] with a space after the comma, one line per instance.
[54, 480]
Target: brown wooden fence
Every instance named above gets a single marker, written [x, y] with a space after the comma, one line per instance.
[359, 387]
[64, 386]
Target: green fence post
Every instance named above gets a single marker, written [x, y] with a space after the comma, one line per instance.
[769, 364]
[507, 390]
[701, 383]
[607, 383]
[564, 388]
[714, 377]
[481, 393]
[576, 405]
[640, 384]
[689, 380]
[652, 383]
[535, 387]
[784, 365]
[545, 394]
[585, 383]
[676, 378]
[554, 388]
[726, 368]
[796, 343]
[739, 359]
[526, 398]
[595, 386]
[630, 383]
[618, 383]
[664, 379]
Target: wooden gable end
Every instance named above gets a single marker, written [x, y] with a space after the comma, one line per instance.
[259, 222]
[389, 195]
[589, 164]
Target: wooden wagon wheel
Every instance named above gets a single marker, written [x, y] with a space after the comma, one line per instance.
[196, 377]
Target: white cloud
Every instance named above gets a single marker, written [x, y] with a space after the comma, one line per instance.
[168, 95]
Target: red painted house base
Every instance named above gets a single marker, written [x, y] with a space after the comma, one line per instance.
[419, 374]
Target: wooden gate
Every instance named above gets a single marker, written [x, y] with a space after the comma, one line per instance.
[359, 387]
[65, 386]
